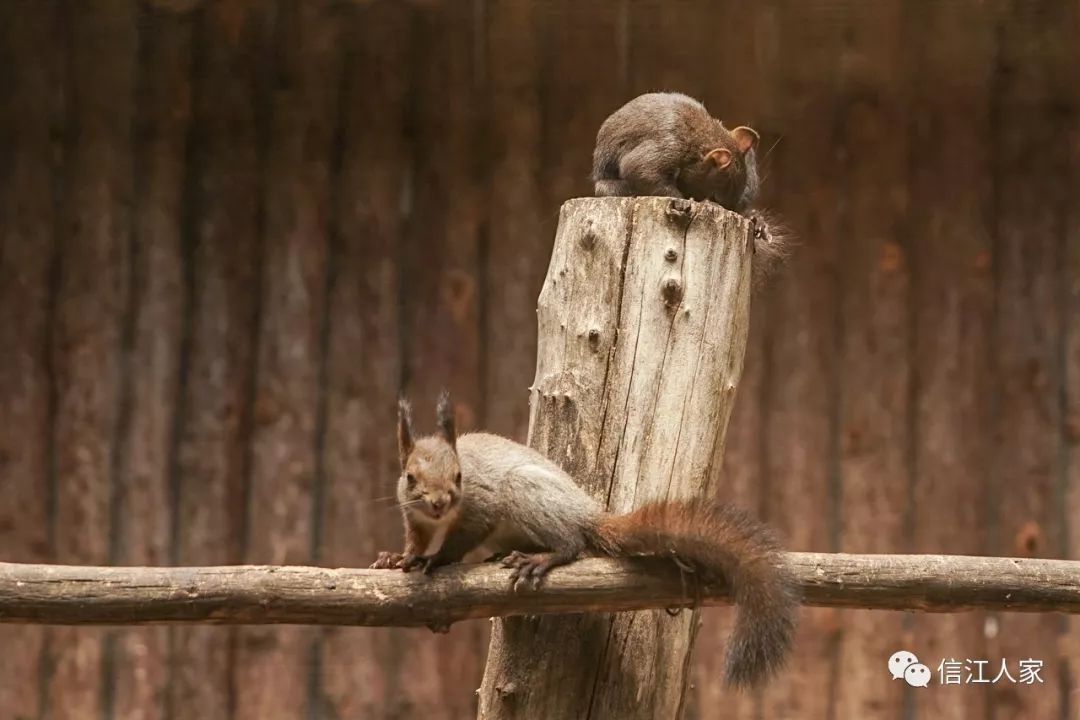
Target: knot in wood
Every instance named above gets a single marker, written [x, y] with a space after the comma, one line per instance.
[1029, 540]
[679, 212]
[679, 206]
[672, 292]
[588, 238]
[671, 255]
[594, 339]
[506, 691]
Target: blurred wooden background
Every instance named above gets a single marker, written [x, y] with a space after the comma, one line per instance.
[230, 230]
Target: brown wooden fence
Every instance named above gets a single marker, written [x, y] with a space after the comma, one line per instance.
[230, 230]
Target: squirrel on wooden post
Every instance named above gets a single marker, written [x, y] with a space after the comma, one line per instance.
[478, 496]
[668, 144]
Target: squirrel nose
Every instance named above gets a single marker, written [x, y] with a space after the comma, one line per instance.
[438, 504]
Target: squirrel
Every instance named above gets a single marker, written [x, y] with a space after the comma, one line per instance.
[480, 495]
[667, 144]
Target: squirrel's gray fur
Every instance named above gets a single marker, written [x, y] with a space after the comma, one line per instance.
[480, 495]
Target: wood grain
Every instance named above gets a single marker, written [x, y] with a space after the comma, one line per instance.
[222, 266]
[88, 345]
[259, 595]
[642, 330]
[875, 364]
[799, 445]
[745, 93]
[517, 245]
[949, 218]
[441, 288]
[31, 71]
[1070, 480]
[361, 673]
[142, 532]
[1031, 200]
[273, 666]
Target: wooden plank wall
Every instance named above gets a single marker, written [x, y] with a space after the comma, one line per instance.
[230, 231]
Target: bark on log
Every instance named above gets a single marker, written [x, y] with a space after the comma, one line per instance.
[266, 595]
[642, 329]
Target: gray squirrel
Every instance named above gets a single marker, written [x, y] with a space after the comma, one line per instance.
[478, 496]
[668, 144]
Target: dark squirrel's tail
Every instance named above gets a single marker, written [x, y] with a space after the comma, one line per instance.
[724, 540]
[773, 243]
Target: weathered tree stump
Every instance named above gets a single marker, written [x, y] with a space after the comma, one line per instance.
[642, 329]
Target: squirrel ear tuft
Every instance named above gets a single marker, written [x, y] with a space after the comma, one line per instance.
[444, 414]
[746, 137]
[404, 430]
[720, 156]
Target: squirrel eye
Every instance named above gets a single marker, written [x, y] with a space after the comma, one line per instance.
[458, 479]
[410, 478]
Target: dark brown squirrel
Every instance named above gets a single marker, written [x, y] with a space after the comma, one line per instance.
[478, 496]
[668, 144]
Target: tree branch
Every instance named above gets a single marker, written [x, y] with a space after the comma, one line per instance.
[60, 594]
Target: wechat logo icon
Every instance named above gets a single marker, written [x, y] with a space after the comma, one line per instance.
[903, 665]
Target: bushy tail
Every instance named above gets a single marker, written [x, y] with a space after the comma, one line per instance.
[726, 541]
[772, 245]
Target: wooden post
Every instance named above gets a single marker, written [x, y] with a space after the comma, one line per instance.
[642, 328]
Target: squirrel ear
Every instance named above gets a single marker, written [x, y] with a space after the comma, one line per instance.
[444, 413]
[720, 156]
[746, 137]
[404, 431]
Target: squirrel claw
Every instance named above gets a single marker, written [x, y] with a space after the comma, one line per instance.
[387, 561]
[528, 569]
[412, 562]
[425, 563]
[683, 565]
[512, 560]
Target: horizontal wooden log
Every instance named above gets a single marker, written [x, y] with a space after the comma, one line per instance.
[237, 595]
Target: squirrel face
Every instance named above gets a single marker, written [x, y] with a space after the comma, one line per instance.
[430, 482]
[720, 174]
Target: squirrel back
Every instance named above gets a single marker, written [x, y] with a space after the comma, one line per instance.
[668, 144]
[482, 495]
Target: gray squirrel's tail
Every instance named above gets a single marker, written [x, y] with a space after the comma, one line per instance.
[726, 541]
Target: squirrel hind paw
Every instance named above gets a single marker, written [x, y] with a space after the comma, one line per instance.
[529, 568]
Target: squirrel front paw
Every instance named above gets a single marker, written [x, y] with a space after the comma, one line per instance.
[388, 561]
[426, 563]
